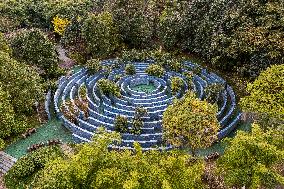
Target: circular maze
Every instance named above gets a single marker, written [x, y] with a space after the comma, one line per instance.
[102, 110]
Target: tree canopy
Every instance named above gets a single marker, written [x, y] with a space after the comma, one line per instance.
[190, 122]
[251, 158]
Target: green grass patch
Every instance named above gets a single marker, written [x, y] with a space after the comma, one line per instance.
[51, 130]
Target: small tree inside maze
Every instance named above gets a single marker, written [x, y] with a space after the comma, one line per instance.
[190, 123]
[137, 122]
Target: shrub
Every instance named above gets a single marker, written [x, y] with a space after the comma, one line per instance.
[60, 24]
[21, 82]
[191, 123]
[130, 69]
[35, 48]
[121, 124]
[28, 166]
[176, 84]
[250, 158]
[100, 35]
[7, 114]
[137, 124]
[213, 91]
[266, 94]
[155, 70]
[108, 87]
[4, 46]
[98, 167]
[94, 66]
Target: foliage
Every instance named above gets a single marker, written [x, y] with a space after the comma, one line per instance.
[176, 84]
[94, 166]
[21, 82]
[108, 87]
[266, 93]
[130, 69]
[60, 24]
[121, 124]
[69, 111]
[36, 13]
[137, 124]
[191, 123]
[213, 91]
[33, 47]
[94, 66]
[100, 35]
[4, 46]
[134, 21]
[155, 70]
[249, 160]
[29, 165]
[7, 114]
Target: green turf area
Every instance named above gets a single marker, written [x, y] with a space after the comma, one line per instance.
[51, 130]
[144, 88]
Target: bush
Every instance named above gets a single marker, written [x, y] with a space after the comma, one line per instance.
[4, 46]
[100, 35]
[266, 94]
[130, 69]
[98, 167]
[176, 84]
[29, 165]
[21, 82]
[94, 66]
[36, 49]
[213, 91]
[194, 121]
[155, 70]
[250, 158]
[60, 24]
[121, 124]
[108, 87]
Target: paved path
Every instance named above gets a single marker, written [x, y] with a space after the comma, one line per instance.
[66, 61]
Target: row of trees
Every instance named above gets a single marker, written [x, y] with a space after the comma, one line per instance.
[20, 89]
[244, 36]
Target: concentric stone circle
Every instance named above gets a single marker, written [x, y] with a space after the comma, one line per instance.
[102, 110]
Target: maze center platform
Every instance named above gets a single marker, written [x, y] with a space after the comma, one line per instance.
[146, 88]
[139, 90]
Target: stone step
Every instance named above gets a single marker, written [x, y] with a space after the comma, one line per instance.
[6, 162]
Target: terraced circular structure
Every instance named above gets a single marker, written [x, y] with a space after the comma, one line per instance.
[102, 110]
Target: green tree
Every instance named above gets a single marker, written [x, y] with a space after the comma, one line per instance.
[7, 114]
[100, 35]
[94, 166]
[21, 82]
[266, 94]
[176, 84]
[27, 167]
[191, 123]
[250, 158]
[109, 87]
[155, 70]
[34, 48]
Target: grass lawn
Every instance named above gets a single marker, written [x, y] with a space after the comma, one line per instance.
[51, 130]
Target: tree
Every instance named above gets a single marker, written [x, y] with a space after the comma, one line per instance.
[94, 166]
[192, 123]
[34, 48]
[155, 70]
[100, 35]
[266, 94]
[21, 82]
[250, 158]
[7, 114]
